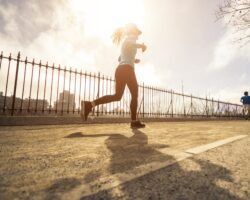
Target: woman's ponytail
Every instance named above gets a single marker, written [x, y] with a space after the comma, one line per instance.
[118, 35]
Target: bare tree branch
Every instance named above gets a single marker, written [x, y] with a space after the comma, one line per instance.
[236, 13]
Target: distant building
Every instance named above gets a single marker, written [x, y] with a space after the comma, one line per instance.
[34, 105]
[24, 106]
[66, 102]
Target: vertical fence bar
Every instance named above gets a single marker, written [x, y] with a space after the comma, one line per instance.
[6, 87]
[98, 92]
[218, 107]
[183, 98]
[70, 70]
[153, 91]
[94, 85]
[80, 91]
[1, 58]
[90, 85]
[191, 106]
[51, 88]
[143, 103]
[31, 82]
[40, 64]
[45, 84]
[206, 108]
[85, 87]
[164, 102]
[57, 91]
[106, 79]
[64, 77]
[110, 90]
[93, 94]
[148, 100]
[74, 92]
[212, 112]
[15, 84]
[172, 104]
[236, 111]
[24, 78]
[103, 81]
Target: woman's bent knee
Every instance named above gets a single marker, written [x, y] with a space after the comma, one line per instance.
[117, 97]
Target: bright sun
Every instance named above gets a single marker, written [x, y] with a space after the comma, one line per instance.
[102, 17]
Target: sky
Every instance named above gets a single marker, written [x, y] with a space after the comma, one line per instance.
[186, 44]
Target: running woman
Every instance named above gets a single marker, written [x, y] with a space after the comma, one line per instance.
[124, 74]
[246, 104]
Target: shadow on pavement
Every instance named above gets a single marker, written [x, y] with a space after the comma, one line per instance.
[131, 152]
[62, 186]
[175, 183]
[171, 182]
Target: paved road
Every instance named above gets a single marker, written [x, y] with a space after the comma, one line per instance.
[113, 162]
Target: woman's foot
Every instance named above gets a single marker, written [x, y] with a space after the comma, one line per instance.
[137, 124]
[86, 108]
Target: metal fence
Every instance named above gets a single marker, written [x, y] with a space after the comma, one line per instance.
[28, 87]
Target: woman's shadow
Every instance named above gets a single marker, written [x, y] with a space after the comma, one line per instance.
[128, 153]
[131, 152]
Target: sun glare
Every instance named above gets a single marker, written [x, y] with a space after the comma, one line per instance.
[101, 17]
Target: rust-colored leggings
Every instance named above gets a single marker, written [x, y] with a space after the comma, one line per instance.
[124, 75]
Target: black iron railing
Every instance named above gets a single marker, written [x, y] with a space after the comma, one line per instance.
[37, 88]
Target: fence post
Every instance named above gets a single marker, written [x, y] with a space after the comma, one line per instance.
[1, 58]
[212, 112]
[191, 106]
[16, 77]
[143, 100]
[206, 107]
[98, 91]
[218, 107]
[236, 111]
[172, 104]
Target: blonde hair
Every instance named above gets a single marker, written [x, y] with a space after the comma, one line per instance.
[118, 35]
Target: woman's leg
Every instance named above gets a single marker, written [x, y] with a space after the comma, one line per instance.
[133, 88]
[86, 106]
[119, 89]
[121, 76]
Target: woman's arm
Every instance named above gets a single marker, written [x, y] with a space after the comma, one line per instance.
[141, 46]
[137, 61]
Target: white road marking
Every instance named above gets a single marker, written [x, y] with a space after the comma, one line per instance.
[209, 146]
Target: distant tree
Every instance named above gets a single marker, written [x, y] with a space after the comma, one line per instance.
[237, 14]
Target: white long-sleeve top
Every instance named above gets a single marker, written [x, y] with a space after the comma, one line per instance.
[128, 51]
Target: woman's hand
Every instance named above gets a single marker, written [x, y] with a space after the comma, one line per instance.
[137, 61]
[143, 47]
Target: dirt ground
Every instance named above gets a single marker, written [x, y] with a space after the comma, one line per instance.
[111, 161]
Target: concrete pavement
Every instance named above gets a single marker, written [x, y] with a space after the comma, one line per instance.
[111, 161]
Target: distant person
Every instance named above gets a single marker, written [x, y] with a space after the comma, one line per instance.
[246, 104]
[124, 74]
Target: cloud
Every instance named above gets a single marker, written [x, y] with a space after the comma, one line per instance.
[227, 50]
[224, 53]
[52, 31]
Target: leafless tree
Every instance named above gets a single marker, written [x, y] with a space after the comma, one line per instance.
[236, 13]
